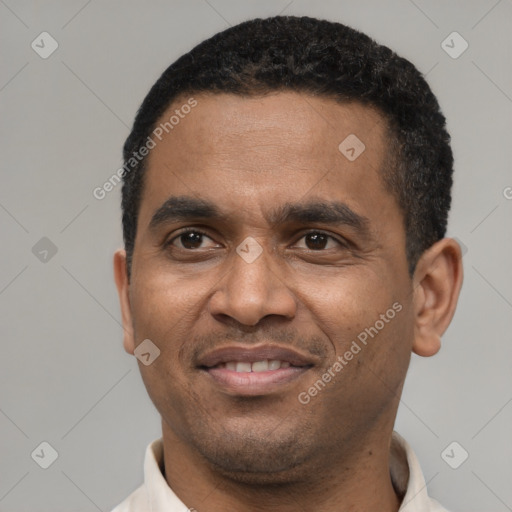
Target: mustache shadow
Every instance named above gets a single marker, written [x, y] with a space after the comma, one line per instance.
[313, 345]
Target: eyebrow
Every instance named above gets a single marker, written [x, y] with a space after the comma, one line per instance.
[184, 208]
[336, 213]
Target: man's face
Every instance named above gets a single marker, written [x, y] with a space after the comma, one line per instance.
[330, 247]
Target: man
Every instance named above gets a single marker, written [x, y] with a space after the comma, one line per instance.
[285, 200]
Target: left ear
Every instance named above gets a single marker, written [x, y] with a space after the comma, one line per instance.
[437, 282]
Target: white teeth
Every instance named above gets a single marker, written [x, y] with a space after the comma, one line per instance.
[260, 366]
[257, 366]
[274, 364]
[243, 367]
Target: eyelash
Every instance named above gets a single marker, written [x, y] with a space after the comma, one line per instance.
[184, 231]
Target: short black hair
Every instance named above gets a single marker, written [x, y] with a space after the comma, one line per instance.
[326, 59]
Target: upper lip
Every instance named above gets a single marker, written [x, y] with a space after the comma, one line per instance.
[252, 354]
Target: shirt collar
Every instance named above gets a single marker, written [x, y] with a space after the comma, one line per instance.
[405, 472]
[408, 479]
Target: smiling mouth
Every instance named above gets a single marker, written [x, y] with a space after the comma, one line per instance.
[257, 366]
[254, 371]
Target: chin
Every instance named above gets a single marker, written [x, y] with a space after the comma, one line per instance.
[257, 460]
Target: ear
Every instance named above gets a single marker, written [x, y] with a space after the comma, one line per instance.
[123, 289]
[437, 282]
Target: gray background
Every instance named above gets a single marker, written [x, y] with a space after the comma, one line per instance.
[64, 376]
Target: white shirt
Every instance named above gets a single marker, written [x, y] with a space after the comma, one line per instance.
[155, 495]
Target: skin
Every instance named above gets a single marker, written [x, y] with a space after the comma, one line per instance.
[249, 156]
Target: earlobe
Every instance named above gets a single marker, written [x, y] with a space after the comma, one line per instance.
[123, 288]
[437, 283]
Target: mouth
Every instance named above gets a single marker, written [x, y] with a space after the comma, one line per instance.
[257, 366]
[254, 371]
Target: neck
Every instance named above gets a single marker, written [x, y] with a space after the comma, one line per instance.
[349, 480]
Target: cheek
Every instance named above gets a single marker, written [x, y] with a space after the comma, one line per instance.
[164, 311]
[348, 303]
[367, 319]
[371, 358]
[165, 303]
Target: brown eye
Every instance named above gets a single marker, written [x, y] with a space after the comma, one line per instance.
[318, 241]
[189, 239]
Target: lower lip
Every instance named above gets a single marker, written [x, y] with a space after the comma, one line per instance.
[255, 383]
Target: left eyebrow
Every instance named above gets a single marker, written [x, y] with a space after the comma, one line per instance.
[335, 213]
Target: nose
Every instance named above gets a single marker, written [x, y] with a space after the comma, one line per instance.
[252, 290]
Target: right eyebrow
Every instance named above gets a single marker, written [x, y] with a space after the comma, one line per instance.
[184, 208]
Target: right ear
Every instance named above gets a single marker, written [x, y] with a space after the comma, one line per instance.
[123, 289]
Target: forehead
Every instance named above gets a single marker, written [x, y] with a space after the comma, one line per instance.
[253, 151]
[282, 124]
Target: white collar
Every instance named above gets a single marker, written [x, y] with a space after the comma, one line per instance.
[155, 495]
